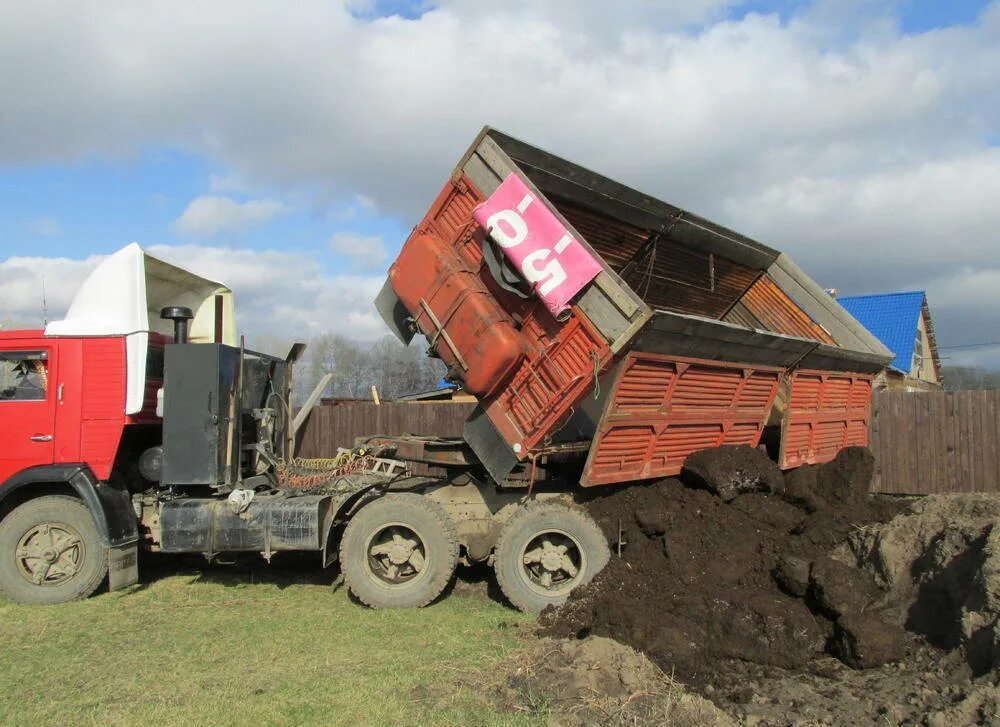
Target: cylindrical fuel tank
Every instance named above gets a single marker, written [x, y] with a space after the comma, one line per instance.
[454, 310]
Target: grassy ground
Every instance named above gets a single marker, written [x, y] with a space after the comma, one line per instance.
[261, 645]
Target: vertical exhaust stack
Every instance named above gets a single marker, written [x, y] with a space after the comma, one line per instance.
[180, 316]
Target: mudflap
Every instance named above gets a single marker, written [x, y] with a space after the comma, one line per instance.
[123, 566]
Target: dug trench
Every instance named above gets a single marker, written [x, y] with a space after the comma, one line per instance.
[799, 598]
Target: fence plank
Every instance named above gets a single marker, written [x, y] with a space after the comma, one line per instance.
[931, 442]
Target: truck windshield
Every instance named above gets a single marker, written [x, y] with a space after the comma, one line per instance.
[23, 375]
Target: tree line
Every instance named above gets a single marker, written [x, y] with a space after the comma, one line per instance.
[393, 369]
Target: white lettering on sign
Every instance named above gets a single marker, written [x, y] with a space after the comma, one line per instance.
[507, 228]
[550, 276]
[534, 239]
[510, 229]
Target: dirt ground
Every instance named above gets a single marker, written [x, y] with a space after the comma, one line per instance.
[597, 681]
[801, 599]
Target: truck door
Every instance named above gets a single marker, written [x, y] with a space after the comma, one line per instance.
[27, 405]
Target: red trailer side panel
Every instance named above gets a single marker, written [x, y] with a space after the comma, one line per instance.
[664, 408]
[826, 412]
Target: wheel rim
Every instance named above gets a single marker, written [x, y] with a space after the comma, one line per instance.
[552, 563]
[396, 555]
[50, 553]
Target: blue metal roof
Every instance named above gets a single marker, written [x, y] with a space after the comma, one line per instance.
[892, 318]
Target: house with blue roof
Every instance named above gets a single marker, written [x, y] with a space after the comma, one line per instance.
[902, 321]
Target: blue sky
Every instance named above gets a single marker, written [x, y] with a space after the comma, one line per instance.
[860, 136]
[98, 204]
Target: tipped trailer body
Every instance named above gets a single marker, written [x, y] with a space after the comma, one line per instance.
[688, 336]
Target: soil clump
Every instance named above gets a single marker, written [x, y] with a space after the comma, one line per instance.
[702, 580]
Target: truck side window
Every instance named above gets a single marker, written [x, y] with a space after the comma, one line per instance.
[24, 375]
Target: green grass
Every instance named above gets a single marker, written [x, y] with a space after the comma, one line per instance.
[224, 647]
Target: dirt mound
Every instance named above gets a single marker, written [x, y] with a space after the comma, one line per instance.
[597, 681]
[941, 565]
[731, 471]
[925, 688]
[698, 580]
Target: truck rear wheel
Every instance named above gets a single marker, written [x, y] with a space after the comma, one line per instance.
[50, 551]
[544, 552]
[400, 551]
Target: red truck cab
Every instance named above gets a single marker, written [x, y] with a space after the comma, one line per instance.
[78, 405]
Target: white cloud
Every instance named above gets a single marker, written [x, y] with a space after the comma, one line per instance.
[209, 215]
[30, 287]
[366, 251]
[863, 152]
[45, 227]
[276, 292]
[227, 183]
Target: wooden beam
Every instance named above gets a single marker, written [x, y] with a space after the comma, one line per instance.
[317, 392]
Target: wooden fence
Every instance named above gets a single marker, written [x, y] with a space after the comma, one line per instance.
[942, 441]
[329, 427]
[923, 442]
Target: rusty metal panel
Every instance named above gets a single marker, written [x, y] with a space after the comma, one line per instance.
[825, 413]
[768, 304]
[543, 392]
[663, 408]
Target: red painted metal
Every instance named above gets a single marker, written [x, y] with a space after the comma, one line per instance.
[83, 410]
[529, 369]
[453, 308]
[663, 408]
[543, 392]
[102, 402]
[772, 309]
[22, 420]
[825, 412]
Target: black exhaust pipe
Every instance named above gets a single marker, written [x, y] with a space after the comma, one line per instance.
[180, 316]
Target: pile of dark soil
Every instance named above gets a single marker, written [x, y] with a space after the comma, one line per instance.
[704, 580]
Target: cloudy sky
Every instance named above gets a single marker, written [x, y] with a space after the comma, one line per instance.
[287, 148]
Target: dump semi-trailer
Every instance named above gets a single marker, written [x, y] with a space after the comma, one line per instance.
[606, 335]
[684, 335]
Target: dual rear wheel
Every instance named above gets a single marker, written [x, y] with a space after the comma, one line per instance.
[401, 551]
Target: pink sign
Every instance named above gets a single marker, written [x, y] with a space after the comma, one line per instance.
[539, 246]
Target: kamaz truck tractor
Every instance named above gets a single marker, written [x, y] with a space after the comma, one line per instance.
[606, 335]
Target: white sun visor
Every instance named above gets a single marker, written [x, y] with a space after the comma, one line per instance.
[123, 296]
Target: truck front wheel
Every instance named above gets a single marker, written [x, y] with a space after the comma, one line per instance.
[50, 551]
[399, 551]
[544, 552]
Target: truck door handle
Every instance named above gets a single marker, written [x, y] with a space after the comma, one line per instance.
[41, 438]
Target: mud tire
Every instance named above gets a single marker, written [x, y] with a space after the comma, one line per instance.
[422, 517]
[523, 529]
[67, 512]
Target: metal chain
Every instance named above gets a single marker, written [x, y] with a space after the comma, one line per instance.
[305, 474]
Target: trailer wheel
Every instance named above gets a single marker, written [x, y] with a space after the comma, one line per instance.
[544, 552]
[50, 551]
[400, 551]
